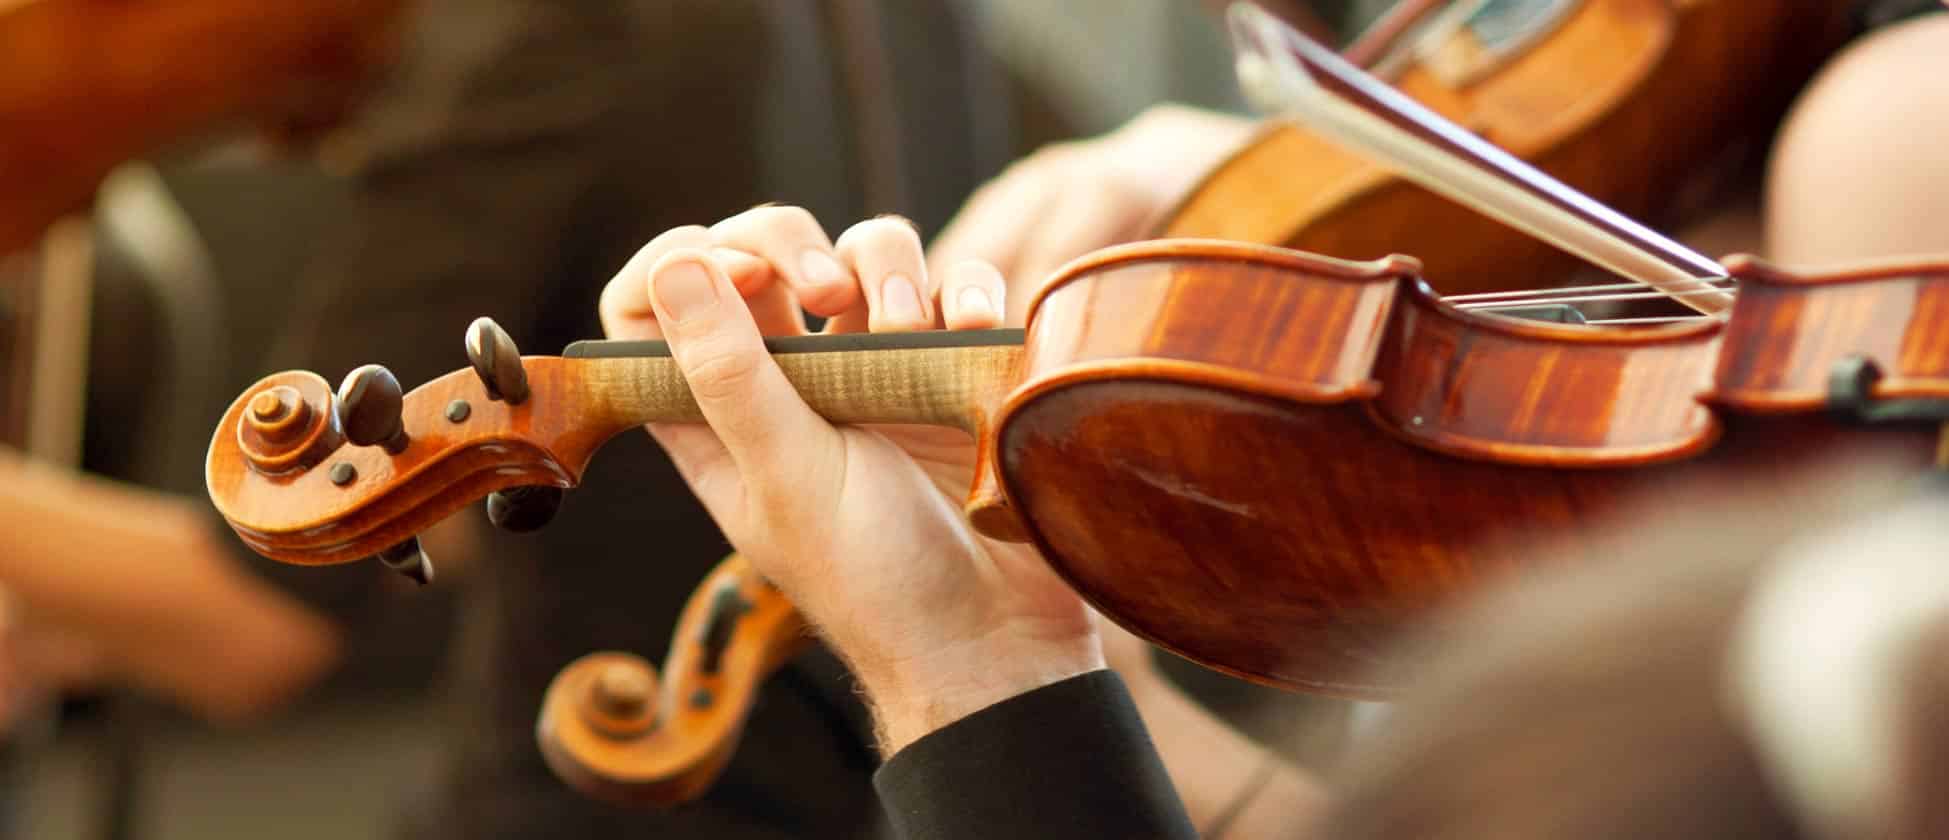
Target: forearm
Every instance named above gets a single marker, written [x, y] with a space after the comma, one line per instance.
[140, 575]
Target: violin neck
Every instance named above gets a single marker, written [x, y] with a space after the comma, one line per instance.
[1284, 72]
[951, 379]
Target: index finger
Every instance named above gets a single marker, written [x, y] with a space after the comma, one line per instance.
[624, 305]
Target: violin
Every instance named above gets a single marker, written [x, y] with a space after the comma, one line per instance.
[1622, 99]
[1267, 501]
[1272, 502]
[85, 84]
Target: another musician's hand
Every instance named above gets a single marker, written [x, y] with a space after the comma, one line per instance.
[1071, 198]
[39, 662]
[862, 528]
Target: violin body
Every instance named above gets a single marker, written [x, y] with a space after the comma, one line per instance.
[87, 84]
[1622, 99]
[1271, 464]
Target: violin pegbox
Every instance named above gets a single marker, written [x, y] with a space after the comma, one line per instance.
[309, 475]
[292, 422]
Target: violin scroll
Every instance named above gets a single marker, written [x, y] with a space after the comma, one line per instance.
[611, 729]
[308, 475]
[290, 424]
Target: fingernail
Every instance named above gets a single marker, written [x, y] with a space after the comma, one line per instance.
[899, 300]
[684, 289]
[821, 269]
[974, 300]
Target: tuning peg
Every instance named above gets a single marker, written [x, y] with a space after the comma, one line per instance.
[369, 405]
[728, 607]
[524, 509]
[407, 558]
[496, 361]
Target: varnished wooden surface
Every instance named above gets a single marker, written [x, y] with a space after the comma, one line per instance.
[577, 405]
[1788, 332]
[1285, 533]
[88, 84]
[1622, 101]
[1525, 392]
[671, 748]
[1264, 460]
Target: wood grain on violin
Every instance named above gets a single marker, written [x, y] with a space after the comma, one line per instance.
[1264, 460]
[1287, 533]
[464, 445]
[1623, 99]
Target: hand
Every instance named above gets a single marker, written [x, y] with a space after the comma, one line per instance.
[88, 600]
[860, 527]
[1071, 198]
[1127, 654]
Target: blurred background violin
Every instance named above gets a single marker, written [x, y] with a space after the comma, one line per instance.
[87, 86]
[1653, 107]
[90, 85]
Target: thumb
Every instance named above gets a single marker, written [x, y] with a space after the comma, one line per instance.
[753, 409]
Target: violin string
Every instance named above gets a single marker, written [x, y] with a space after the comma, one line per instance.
[1573, 299]
[1722, 283]
[1666, 319]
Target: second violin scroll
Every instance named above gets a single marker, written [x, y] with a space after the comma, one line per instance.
[610, 729]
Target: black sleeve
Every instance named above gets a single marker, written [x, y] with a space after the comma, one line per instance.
[1068, 760]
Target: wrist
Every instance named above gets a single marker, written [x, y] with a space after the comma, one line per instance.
[925, 694]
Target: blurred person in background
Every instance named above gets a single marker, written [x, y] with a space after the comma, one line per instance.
[524, 147]
[518, 151]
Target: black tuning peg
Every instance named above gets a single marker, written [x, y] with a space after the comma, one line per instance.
[368, 406]
[496, 361]
[407, 558]
[728, 608]
[524, 509]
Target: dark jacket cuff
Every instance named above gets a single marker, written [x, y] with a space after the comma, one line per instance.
[1071, 759]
